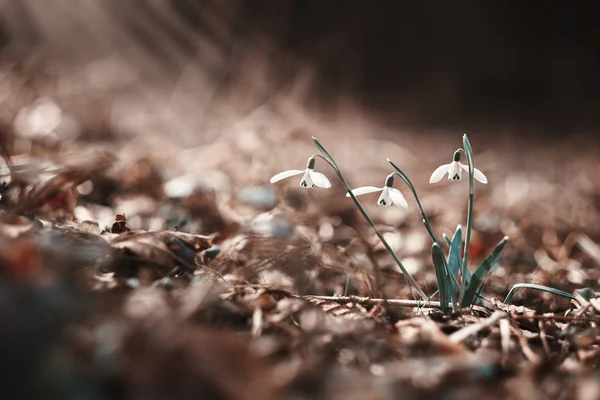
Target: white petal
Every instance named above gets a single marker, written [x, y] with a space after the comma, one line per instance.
[455, 172]
[477, 174]
[439, 173]
[306, 181]
[398, 198]
[364, 190]
[384, 199]
[319, 179]
[285, 174]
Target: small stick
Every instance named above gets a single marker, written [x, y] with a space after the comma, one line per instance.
[505, 337]
[527, 351]
[565, 318]
[544, 338]
[368, 301]
[467, 331]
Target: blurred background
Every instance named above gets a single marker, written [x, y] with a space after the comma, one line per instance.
[519, 66]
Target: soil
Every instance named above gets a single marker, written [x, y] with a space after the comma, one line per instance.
[161, 264]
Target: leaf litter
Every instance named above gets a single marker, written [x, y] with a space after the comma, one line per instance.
[220, 287]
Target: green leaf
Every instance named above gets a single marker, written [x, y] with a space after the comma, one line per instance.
[467, 147]
[465, 258]
[447, 239]
[485, 268]
[548, 289]
[443, 279]
[454, 256]
[587, 293]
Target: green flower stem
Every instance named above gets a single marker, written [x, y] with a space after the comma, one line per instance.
[410, 280]
[426, 222]
[469, 153]
[403, 176]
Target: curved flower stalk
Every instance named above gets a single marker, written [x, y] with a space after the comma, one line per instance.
[389, 195]
[447, 268]
[310, 177]
[403, 176]
[470, 283]
[446, 281]
[454, 170]
[411, 281]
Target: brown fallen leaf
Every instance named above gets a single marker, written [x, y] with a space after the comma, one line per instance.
[66, 179]
[163, 251]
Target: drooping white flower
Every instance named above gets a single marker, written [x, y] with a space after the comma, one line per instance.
[309, 179]
[454, 170]
[389, 195]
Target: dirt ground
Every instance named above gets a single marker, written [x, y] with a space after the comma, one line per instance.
[144, 254]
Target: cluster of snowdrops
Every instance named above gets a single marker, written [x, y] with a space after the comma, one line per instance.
[458, 287]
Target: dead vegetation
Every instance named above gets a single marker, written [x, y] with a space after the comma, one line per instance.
[116, 282]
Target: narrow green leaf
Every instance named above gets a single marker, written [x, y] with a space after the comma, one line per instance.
[443, 280]
[455, 280]
[447, 239]
[485, 268]
[465, 259]
[467, 146]
[403, 176]
[469, 152]
[548, 289]
[587, 293]
[454, 256]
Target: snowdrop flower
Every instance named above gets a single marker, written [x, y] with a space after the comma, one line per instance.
[389, 196]
[454, 170]
[309, 179]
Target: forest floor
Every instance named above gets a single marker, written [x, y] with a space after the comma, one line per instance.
[155, 266]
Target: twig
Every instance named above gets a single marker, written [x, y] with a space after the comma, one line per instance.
[505, 337]
[368, 301]
[527, 351]
[467, 331]
[544, 338]
[552, 317]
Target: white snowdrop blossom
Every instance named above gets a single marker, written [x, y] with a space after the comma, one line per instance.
[454, 170]
[309, 179]
[389, 195]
